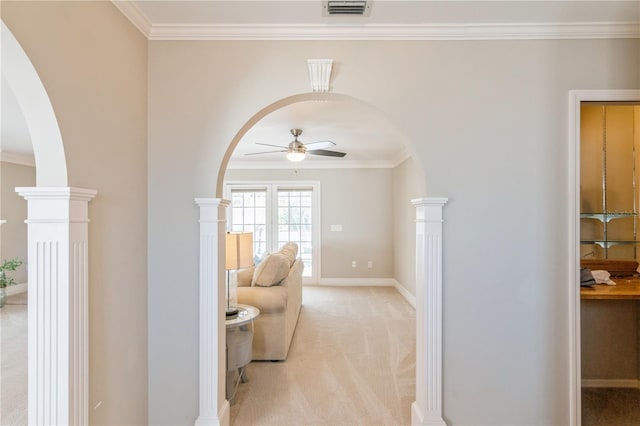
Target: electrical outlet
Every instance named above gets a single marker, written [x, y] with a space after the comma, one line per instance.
[354, 264]
[370, 264]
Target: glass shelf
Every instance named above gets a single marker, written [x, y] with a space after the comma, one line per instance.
[606, 217]
[609, 243]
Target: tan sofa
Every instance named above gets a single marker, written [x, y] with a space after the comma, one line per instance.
[275, 287]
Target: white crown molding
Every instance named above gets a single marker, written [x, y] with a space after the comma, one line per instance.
[331, 164]
[135, 15]
[15, 158]
[494, 31]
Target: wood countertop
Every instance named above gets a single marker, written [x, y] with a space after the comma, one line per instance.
[625, 289]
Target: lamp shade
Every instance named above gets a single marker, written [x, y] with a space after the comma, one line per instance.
[239, 250]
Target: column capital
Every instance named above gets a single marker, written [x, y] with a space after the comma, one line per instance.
[212, 202]
[56, 193]
[429, 201]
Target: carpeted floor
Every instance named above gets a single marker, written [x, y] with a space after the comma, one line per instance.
[352, 362]
[13, 361]
[610, 406]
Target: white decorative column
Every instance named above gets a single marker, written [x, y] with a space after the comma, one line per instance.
[214, 408]
[58, 342]
[427, 408]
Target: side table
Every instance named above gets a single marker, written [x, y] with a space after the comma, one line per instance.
[239, 345]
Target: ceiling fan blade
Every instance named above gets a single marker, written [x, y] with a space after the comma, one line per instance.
[326, 153]
[268, 144]
[265, 152]
[320, 144]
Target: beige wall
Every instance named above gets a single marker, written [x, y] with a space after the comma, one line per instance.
[93, 64]
[408, 184]
[489, 122]
[14, 210]
[357, 199]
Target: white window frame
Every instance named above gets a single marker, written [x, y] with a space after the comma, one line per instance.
[272, 188]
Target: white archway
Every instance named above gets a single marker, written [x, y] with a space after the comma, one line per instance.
[58, 339]
[51, 166]
[213, 407]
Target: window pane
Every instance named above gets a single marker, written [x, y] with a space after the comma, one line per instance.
[261, 216]
[237, 216]
[261, 199]
[249, 199]
[306, 233]
[305, 249]
[283, 215]
[305, 214]
[305, 199]
[249, 216]
[294, 215]
[236, 199]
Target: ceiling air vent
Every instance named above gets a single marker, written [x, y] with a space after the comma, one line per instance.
[348, 8]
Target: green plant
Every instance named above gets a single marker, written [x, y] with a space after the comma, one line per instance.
[8, 265]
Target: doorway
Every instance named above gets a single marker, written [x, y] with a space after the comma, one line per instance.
[584, 245]
[428, 216]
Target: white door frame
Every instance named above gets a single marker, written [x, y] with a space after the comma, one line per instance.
[576, 97]
[269, 185]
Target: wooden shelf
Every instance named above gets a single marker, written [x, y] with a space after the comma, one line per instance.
[625, 289]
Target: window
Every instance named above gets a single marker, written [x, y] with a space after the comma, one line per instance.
[295, 223]
[276, 213]
[249, 214]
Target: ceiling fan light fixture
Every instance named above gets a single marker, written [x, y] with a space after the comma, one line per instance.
[296, 156]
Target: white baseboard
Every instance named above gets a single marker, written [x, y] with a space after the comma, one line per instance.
[410, 298]
[351, 282]
[610, 383]
[374, 282]
[15, 289]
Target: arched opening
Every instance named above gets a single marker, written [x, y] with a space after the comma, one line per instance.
[57, 256]
[428, 256]
[21, 76]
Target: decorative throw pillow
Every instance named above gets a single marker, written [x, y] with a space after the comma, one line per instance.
[245, 276]
[273, 269]
[290, 250]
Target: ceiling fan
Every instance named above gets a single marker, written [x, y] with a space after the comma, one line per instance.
[296, 151]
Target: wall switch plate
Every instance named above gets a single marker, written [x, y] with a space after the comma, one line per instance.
[354, 264]
[370, 264]
[336, 228]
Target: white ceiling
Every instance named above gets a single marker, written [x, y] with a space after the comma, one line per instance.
[377, 142]
[310, 12]
[367, 138]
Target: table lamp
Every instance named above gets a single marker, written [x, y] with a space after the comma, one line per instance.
[239, 255]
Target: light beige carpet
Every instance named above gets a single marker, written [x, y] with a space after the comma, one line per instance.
[13, 361]
[352, 362]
